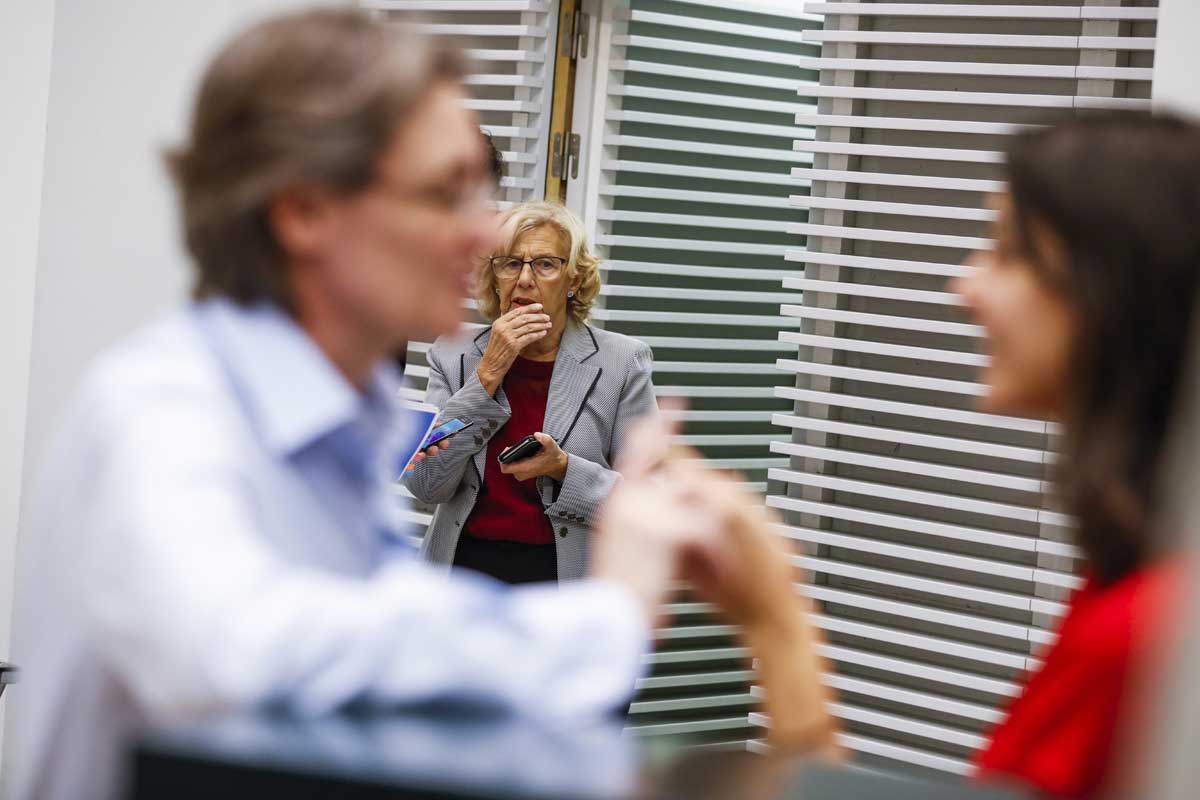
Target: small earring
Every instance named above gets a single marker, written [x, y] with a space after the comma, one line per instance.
[570, 295]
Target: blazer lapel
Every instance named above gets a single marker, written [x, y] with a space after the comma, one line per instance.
[572, 381]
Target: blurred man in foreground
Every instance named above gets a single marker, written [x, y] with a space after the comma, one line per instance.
[215, 527]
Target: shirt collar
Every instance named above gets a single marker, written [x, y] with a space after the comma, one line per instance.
[293, 392]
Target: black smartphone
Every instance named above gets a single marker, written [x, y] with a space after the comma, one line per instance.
[445, 430]
[523, 449]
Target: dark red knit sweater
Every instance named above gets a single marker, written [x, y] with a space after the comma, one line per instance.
[506, 509]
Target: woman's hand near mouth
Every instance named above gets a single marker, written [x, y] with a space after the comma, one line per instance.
[511, 333]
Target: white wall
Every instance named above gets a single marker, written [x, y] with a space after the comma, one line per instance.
[1176, 56]
[104, 93]
[26, 30]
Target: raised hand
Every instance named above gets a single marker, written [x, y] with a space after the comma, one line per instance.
[745, 569]
[511, 333]
[640, 532]
[644, 524]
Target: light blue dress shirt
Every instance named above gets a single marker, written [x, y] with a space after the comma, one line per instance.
[215, 529]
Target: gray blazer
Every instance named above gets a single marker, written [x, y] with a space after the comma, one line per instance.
[601, 383]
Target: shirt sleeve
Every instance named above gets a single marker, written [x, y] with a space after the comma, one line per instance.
[196, 610]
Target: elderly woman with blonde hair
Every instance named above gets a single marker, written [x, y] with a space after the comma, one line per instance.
[543, 384]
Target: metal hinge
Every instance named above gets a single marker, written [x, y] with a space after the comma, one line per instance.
[556, 156]
[573, 154]
[573, 35]
[583, 23]
[566, 35]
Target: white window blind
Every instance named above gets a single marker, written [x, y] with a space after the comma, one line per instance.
[936, 560]
[685, 183]
[510, 44]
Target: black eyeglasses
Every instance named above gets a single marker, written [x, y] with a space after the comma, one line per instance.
[509, 267]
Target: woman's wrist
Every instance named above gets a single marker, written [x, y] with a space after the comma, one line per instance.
[490, 377]
[560, 471]
[790, 667]
[779, 625]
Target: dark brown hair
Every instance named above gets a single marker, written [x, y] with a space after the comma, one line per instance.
[495, 160]
[314, 96]
[1121, 193]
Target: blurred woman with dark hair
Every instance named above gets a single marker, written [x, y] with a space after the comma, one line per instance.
[1087, 301]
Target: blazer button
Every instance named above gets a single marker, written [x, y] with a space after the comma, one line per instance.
[563, 531]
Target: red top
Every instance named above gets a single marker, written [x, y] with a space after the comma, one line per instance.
[1060, 734]
[506, 508]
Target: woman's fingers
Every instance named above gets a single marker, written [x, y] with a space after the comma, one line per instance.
[521, 316]
[520, 470]
[525, 338]
[517, 319]
[525, 333]
[520, 331]
[529, 322]
[517, 311]
[525, 316]
[513, 331]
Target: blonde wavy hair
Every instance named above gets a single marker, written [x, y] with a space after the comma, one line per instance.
[581, 263]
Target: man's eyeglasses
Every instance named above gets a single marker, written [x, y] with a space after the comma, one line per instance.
[508, 268]
[443, 199]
